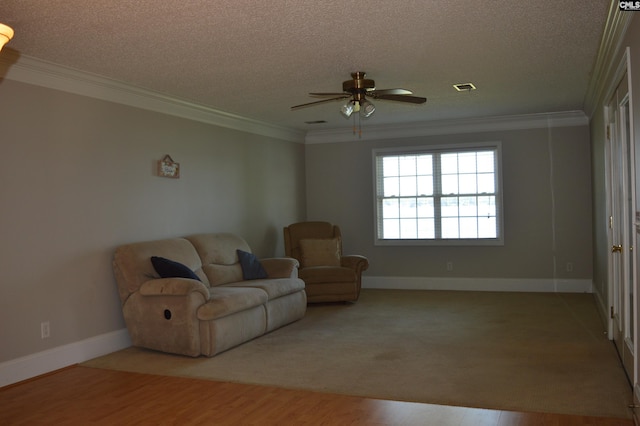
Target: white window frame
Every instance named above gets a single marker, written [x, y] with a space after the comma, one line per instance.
[426, 149]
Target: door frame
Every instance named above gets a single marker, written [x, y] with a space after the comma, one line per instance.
[634, 222]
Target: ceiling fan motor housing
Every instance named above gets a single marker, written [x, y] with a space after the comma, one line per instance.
[358, 86]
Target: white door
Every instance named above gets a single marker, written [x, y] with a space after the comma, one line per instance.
[622, 225]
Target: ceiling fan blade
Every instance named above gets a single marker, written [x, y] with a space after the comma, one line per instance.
[375, 93]
[329, 94]
[319, 102]
[403, 98]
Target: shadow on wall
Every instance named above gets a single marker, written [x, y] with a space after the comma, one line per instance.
[8, 58]
[271, 238]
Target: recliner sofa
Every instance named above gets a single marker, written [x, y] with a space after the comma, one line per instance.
[215, 312]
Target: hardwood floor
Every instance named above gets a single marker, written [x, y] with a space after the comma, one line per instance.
[82, 395]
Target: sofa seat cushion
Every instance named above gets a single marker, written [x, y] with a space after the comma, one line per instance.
[225, 301]
[274, 287]
[323, 274]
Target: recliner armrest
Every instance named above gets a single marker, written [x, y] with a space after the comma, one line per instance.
[355, 261]
[173, 287]
[281, 267]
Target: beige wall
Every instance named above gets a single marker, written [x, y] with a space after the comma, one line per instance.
[547, 207]
[78, 179]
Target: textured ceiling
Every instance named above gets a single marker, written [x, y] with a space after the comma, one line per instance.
[258, 58]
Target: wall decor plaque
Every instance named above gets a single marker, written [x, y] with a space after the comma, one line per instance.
[168, 168]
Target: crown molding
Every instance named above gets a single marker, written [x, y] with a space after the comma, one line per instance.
[605, 65]
[34, 71]
[25, 69]
[449, 127]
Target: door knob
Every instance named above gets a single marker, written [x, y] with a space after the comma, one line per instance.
[616, 248]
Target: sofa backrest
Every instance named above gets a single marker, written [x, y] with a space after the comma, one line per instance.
[132, 262]
[219, 257]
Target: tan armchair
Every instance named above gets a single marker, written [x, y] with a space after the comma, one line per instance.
[328, 275]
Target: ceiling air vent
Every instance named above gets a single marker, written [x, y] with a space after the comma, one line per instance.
[464, 87]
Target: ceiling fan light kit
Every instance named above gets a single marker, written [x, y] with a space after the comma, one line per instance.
[364, 107]
[356, 90]
[6, 34]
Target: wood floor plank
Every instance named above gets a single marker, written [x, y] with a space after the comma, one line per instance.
[82, 395]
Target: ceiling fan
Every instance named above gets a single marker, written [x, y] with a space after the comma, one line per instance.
[356, 91]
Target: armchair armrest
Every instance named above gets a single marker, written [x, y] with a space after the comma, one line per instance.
[281, 267]
[173, 287]
[355, 261]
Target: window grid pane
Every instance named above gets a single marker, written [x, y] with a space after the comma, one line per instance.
[438, 195]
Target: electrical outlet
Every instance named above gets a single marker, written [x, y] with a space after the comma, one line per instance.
[45, 330]
[449, 266]
[569, 267]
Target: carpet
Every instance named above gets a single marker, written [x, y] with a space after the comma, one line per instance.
[536, 352]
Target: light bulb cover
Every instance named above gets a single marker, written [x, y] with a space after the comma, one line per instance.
[366, 108]
[6, 34]
[347, 109]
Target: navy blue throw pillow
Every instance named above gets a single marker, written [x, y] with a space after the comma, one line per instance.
[251, 267]
[171, 269]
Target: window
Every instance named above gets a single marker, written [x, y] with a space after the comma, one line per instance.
[439, 195]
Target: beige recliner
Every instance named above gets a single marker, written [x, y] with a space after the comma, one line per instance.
[329, 276]
[202, 298]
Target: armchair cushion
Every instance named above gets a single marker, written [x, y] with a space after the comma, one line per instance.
[251, 267]
[171, 269]
[320, 252]
[327, 274]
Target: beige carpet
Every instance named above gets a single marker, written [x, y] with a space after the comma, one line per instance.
[512, 351]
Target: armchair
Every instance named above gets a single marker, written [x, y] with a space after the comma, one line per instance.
[329, 276]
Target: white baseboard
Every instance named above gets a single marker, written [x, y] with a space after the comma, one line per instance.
[603, 310]
[33, 365]
[636, 403]
[480, 284]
